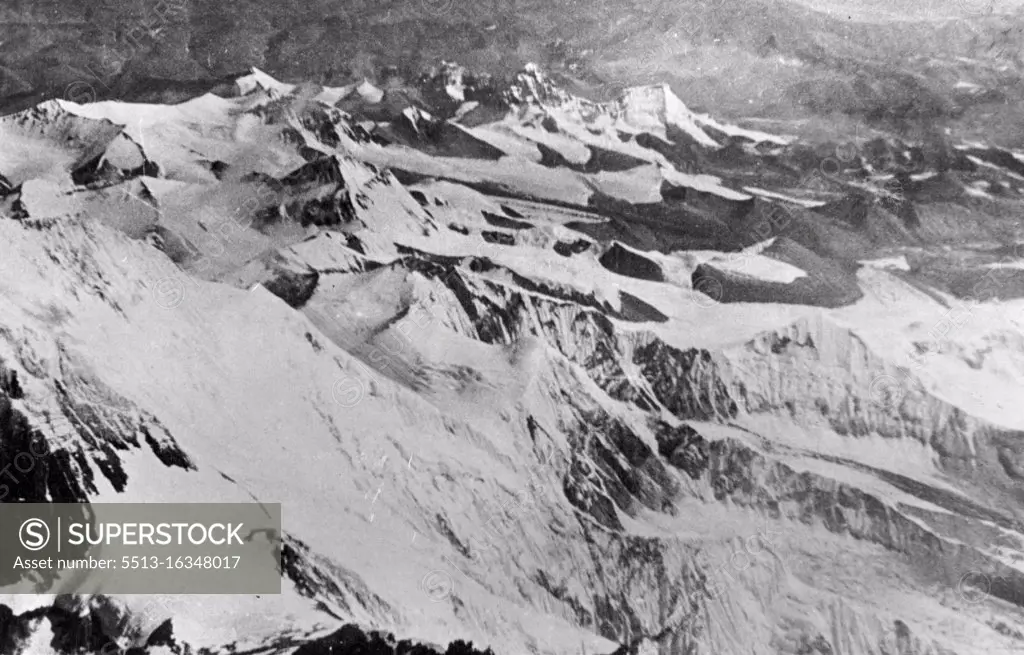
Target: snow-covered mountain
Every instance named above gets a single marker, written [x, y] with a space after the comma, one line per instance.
[527, 372]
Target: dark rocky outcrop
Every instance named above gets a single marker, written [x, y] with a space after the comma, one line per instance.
[570, 248]
[824, 285]
[500, 238]
[86, 630]
[505, 222]
[353, 640]
[420, 130]
[290, 281]
[687, 383]
[623, 261]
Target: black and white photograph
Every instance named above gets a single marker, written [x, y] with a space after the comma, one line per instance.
[535, 327]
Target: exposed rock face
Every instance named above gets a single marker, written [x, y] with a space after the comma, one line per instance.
[623, 261]
[351, 639]
[821, 283]
[513, 380]
[438, 137]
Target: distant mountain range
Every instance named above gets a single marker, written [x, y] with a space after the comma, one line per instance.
[773, 59]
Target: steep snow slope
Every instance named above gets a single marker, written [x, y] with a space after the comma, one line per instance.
[495, 398]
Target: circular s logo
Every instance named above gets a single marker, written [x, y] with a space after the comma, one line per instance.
[34, 534]
[438, 585]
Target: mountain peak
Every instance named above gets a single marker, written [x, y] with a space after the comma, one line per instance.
[655, 107]
[533, 86]
[257, 79]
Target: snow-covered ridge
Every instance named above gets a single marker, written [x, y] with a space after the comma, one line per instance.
[648, 107]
